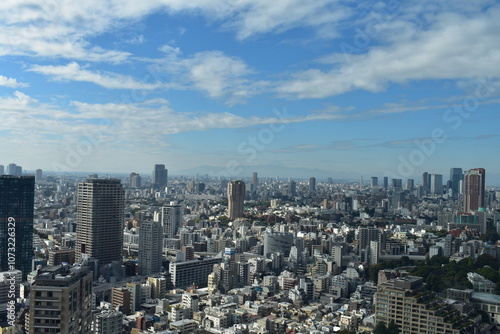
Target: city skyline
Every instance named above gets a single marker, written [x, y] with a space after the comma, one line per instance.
[329, 86]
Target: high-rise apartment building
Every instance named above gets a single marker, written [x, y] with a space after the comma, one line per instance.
[17, 196]
[160, 177]
[150, 248]
[38, 175]
[135, 180]
[236, 199]
[15, 170]
[170, 218]
[474, 187]
[367, 234]
[415, 310]
[61, 301]
[99, 216]
[312, 184]
[2, 169]
[255, 181]
[386, 182]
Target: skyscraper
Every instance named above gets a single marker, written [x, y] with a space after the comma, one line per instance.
[150, 248]
[386, 182]
[436, 184]
[99, 217]
[255, 181]
[410, 184]
[2, 169]
[170, 218]
[426, 182]
[474, 185]
[236, 198]
[17, 196]
[456, 175]
[160, 176]
[374, 182]
[312, 184]
[135, 180]
[38, 175]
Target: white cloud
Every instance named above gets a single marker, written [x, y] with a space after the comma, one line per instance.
[146, 123]
[74, 72]
[217, 75]
[63, 28]
[454, 47]
[11, 82]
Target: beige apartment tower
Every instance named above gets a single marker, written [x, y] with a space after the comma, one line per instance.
[61, 301]
[100, 214]
[236, 198]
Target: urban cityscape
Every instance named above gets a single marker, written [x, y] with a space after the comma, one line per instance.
[170, 254]
[249, 167]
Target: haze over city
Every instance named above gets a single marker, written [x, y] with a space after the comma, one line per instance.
[292, 89]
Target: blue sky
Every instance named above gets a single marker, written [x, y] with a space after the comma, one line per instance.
[349, 88]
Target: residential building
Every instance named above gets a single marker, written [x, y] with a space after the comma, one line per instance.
[236, 198]
[61, 301]
[100, 218]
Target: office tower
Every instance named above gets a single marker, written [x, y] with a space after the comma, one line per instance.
[410, 184]
[236, 199]
[160, 177]
[255, 181]
[386, 182]
[170, 219]
[426, 180]
[38, 175]
[474, 185]
[99, 218]
[17, 196]
[108, 322]
[150, 248]
[135, 180]
[415, 310]
[436, 184]
[312, 184]
[456, 175]
[61, 301]
[2, 170]
[374, 182]
[360, 183]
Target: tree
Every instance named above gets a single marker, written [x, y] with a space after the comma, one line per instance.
[392, 328]
[380, 328]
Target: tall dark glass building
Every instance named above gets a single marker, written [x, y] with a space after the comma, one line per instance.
[17, 197]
